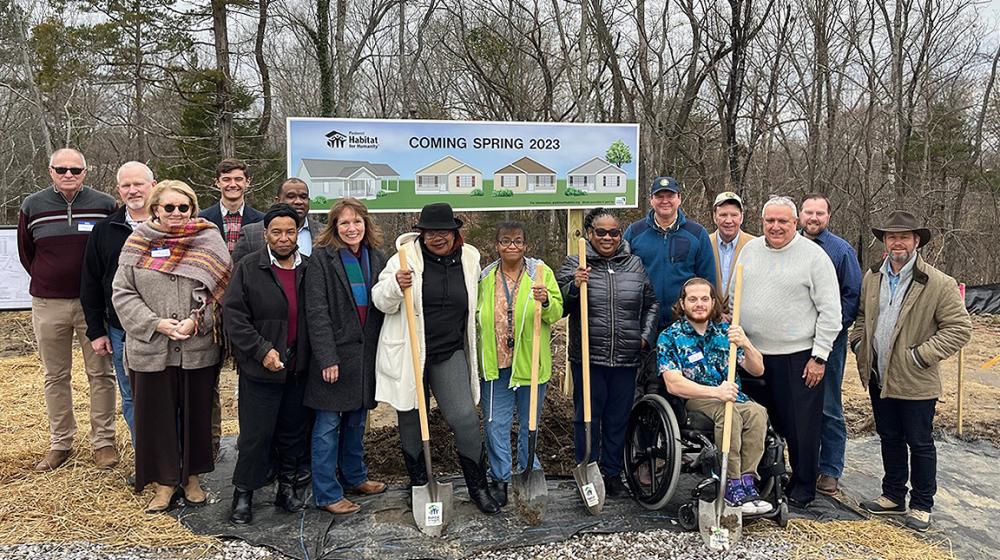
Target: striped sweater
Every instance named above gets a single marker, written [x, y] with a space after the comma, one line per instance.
[52, 235]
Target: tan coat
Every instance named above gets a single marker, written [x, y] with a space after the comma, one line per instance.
[741, 240]
[933, 323]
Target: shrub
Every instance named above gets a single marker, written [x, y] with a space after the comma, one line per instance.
[503, 193]
[380, 194]
[320, 200]
[570, 191]
[476, 192]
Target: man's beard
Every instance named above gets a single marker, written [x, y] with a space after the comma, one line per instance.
[900, 258]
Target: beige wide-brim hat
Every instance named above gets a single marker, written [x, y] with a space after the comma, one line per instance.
[900, 221]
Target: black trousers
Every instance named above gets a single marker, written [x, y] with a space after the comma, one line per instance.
[797, 414]
[173, 424]
[274, 427]
[903, 424]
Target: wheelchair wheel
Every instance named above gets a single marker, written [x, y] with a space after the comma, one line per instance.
[782, 518]
[652, 452]
[687, 517]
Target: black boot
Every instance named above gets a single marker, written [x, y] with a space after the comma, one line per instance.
[418, 474]
[289, 495]
[242, 510]
[499, 492]
[475, 481]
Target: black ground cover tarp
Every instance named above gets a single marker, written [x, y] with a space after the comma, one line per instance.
[983, 300]
[384, 527]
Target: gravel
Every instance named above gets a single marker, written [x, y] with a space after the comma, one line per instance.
[662, 545]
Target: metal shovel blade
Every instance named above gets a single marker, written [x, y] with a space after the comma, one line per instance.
[432, 507]
[724, 533]
[591, 485]
[531, 494]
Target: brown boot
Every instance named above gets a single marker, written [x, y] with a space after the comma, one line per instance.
[106, 457]
[193, 494]
[368, 488]
[826, 485]
[161, 499]
[53, 460]
[342, 507]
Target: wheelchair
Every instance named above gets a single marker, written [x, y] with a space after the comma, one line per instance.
[663, 440]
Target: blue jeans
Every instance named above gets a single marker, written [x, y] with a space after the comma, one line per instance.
[337, 445]
[498, 401]
[833, 430]
[117, 337]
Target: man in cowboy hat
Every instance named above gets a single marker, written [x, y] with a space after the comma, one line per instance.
[911, 318]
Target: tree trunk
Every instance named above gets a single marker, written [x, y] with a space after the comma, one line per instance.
[224, 88]
[262, 67]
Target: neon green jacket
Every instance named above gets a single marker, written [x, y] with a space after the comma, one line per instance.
[524, 320]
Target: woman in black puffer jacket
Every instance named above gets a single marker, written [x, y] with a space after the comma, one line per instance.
[622, 312]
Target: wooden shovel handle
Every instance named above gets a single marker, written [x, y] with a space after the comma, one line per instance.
[584, 333]
[536, 351]
[418, 371]
[727, 427]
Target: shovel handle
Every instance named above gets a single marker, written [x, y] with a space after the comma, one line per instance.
[727, 427]
[536, 351]
[584, 333]
[418, 371]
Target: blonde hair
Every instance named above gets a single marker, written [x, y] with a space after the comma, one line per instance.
[329, 236]
[172, 185]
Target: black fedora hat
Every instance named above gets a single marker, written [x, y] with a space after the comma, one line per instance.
[900, 221]
[438, 215]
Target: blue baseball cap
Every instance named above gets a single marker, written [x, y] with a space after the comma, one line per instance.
[665, 184]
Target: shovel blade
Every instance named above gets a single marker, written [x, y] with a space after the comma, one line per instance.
[531, 494]
[591, 486]
[433, 507]
[722, 533]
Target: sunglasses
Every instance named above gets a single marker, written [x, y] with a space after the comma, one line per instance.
[601, 232]
[63, 170]
[169, 208]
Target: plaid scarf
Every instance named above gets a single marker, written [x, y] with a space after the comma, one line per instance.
[359, 276]
[196, 252]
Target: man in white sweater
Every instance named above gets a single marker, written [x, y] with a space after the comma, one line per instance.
[791, 310]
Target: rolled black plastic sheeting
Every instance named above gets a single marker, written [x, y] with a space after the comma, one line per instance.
[983, 300]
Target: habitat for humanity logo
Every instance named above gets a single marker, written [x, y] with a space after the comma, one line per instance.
[352, 139]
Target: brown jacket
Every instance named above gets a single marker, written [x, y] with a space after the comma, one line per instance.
[741, 240]
[933, 323]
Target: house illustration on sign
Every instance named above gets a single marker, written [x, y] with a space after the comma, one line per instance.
[597, 175]
[447, 175]
[525, 175]
[340, 178]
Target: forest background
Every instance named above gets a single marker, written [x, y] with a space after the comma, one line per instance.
[880, 105]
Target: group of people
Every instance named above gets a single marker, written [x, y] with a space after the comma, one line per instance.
[313, 315]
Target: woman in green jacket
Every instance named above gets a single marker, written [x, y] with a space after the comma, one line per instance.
[506, 314]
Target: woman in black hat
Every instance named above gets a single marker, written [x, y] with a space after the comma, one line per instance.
[444, 274]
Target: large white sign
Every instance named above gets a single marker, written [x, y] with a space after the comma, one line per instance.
[14, 279]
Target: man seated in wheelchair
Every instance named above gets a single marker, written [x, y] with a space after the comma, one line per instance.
[693, 357]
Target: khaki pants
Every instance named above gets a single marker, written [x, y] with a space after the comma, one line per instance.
[746, 445]
[54, 322]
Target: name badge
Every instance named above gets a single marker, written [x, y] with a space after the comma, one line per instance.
[161, 253]
[696, 357]
[85, 226]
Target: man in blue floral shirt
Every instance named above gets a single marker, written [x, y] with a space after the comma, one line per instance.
[693, 358]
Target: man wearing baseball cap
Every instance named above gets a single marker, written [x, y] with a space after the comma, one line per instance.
[728, 240]
[910, 319]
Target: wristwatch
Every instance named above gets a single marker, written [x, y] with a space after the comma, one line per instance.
[819, 360]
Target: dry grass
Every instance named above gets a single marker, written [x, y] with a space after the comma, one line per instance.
[856, 540]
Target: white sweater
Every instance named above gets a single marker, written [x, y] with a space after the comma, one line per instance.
[791, 298]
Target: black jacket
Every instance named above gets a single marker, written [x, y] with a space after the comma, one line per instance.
[337, 335]
[255, 317]
[100, 262]
[622, 307]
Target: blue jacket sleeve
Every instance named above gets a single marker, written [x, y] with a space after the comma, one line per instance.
[849, 271]
[706, 259]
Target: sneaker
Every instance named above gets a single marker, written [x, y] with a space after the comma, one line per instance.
[918, 520]
[735, 495]
[756, 504]
[883, 506]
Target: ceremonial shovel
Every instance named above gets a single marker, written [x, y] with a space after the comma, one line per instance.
[432, 502]
[587, 475]
[530, 491]
[720, 524]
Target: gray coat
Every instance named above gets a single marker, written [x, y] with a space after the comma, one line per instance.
[252, 238]
[141, 298]
[621, 304]
[336, 334]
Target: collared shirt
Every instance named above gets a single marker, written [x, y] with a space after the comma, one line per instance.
[134, 224]
[726, 253]
[305, 238]
[702, 358]
[232, 222]
[274, 261]
[845, 262]
[904, 273]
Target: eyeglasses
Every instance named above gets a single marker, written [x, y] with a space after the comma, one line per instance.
[169, 208]
[601, 232]
[430, 233]
[62, 170]
[517, 243]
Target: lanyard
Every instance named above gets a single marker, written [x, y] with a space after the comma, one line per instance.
[510, 304]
